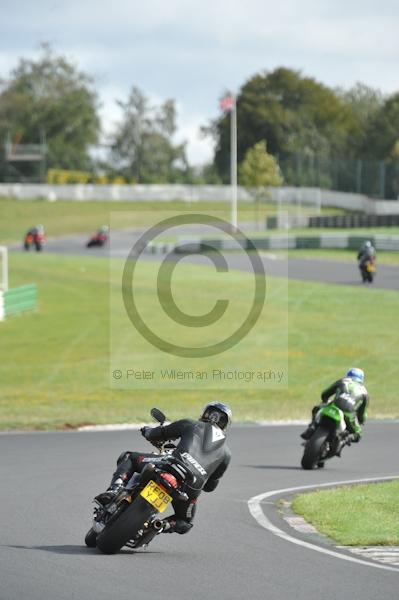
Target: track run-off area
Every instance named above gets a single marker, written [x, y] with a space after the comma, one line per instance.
[49, 479]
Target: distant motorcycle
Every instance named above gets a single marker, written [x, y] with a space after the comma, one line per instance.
[132, 516]
[368, 270]
[97, 239]
[331, 433]
[34, 239]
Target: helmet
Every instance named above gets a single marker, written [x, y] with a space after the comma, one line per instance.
[217, 413]
[356, 374]
[40, 227]
[367, 244]
[104, 228]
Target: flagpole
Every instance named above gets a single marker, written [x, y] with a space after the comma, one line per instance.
[233, 163]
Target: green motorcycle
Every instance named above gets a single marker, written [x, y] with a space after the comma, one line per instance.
[331, 433]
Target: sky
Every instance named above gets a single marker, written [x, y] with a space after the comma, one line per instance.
[193, 51]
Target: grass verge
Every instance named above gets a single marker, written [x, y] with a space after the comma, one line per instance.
[355, 515]
[66, 217]
[54, 363]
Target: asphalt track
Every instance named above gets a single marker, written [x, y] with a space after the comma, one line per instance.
[326, 271]
[48, 480]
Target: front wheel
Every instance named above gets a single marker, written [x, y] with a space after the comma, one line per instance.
[312, 453]
[91, 538]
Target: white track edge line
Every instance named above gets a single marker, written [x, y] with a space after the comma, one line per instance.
[254, 505]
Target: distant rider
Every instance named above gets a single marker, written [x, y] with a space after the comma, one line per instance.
[352, 394]
[35, 231]
[367, 252]
[202, 447]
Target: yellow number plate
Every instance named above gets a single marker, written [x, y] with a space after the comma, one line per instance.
[156, 496]
[370, 268]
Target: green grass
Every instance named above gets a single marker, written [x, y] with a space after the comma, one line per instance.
[67, 217]
[54, 363]
[356, 515]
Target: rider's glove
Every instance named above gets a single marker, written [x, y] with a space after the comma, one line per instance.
[353, 437]
[145, 431]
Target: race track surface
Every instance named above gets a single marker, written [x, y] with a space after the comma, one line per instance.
[48, 480]
[325, 271]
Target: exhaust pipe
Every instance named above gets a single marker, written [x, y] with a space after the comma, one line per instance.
[158, 525]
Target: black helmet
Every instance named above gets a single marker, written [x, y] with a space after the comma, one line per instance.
[217, 413]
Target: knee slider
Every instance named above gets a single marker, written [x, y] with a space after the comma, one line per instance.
[124, 456]
[182, 526]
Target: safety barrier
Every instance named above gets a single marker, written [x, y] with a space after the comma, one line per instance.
[17, 300]
[349, 221]
[280, 242]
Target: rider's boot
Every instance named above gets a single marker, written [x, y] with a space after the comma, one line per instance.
[309, 431]
[107, 496]
[175, 525]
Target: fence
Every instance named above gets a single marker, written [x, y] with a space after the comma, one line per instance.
[375, 178]
[316, 197]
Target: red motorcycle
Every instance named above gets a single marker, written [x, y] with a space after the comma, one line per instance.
[34, 238]
[98, 239]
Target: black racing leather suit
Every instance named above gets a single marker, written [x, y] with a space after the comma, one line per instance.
[366, 254]
[202, 447]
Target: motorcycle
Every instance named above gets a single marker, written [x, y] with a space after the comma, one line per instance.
[97, 239]
[331, 433]
[368, 270]
[132, 517]
[34, 239]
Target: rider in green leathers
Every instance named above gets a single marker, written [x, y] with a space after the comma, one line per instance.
[349, 394]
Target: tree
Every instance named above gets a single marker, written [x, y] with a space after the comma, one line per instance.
[365, 103]
[383, 132]
[295, 114]
[142, 144]
[50, 98]
[259, 171]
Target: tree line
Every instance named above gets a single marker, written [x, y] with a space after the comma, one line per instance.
[302, 121]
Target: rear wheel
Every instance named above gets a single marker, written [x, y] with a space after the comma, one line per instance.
[116, 534]
[312, 453]
[91, 538]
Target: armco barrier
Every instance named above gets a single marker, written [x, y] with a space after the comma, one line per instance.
[349, 221]
[20, 299]
[282, 242]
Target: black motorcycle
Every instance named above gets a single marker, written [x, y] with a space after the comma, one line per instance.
[368, 270]
[132, 518]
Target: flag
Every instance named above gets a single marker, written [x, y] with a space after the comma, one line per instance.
[227, 102]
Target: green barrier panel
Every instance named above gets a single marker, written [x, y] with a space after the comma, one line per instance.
[23, 290]
[259, 243]
[271, 223]
[21, 299]
[308, 242]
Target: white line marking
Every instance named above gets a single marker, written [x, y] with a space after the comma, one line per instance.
[254, 505]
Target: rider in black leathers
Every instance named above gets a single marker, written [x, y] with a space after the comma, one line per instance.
[366, 252]
[201, 447]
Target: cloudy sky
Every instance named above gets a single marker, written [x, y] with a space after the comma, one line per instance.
[193, 51]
